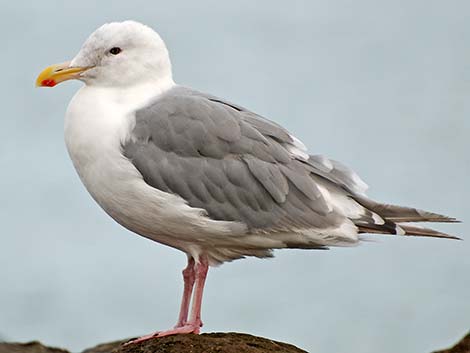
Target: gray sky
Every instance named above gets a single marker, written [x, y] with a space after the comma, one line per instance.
[383, 86]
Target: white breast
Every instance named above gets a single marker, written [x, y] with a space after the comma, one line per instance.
[98, 122]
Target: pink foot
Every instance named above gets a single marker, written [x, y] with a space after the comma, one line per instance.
[188, 328]
[194, 274]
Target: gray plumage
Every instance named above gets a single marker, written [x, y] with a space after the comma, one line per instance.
[227, 161]
[237, 166]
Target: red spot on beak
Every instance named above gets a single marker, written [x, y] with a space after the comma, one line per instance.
[48, 83]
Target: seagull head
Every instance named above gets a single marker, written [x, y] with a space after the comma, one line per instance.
[117, 54]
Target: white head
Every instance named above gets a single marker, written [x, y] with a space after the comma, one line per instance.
[117, 54]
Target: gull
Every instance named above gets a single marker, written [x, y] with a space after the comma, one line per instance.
[201, 174]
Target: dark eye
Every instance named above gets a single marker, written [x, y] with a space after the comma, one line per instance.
[115, 50]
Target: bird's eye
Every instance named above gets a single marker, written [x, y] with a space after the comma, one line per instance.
[115, 50]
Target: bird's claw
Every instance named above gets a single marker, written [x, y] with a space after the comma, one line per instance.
[186, 329]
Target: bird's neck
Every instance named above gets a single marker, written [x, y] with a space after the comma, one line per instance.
[132, 97]
[99, 119]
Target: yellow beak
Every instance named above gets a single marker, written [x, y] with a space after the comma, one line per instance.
[58, 73]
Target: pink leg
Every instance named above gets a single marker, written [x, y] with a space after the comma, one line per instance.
[188, 277]
[199, 271]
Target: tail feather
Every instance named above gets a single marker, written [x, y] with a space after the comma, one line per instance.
[397, 219]
[407, 230]
[387, 228]
[413, 230]
[400, 214]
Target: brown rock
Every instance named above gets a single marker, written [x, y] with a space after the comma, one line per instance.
[462, 347]
[205, 343]
[30, 347]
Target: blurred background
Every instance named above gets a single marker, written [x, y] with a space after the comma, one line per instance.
[383, 86]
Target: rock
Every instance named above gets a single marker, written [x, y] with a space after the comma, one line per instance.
[205, 343]
[30, 347]
[462, 347]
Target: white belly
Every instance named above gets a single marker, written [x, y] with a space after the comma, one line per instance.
[95, 129]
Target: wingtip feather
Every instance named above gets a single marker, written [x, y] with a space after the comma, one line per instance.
[413, 230]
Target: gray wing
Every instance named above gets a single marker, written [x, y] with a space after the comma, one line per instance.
[232, 163]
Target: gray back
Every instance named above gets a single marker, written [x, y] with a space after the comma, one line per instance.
[232, 163]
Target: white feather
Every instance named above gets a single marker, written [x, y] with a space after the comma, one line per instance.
[93, 138]
[297, 149]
